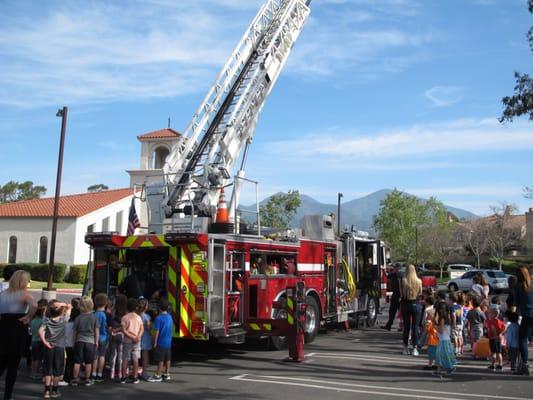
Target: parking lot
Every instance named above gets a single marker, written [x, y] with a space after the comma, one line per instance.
[366, 363]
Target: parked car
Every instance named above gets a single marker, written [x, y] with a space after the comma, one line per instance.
[497, 280]
[457, 270]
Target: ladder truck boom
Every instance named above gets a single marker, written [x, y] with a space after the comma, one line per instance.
[224, 123]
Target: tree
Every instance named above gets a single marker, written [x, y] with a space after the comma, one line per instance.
[97, 188]
[14, 191]
[401, 221]
[521, 103]
[476, 237]
[528, 192]
[500, 231]
[280, 209]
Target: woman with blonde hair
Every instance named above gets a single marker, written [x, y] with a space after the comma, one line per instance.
[524, 303]
[16, 309]
[410, 292]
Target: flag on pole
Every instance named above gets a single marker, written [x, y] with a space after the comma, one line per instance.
[133, 220]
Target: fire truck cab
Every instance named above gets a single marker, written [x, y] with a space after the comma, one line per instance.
[225, 286]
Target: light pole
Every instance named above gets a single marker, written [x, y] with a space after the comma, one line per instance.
[339, 197]
[63, 114]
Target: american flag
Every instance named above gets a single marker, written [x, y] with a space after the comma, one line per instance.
[133, 220]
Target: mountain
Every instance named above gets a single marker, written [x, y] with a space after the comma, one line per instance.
[359, 212]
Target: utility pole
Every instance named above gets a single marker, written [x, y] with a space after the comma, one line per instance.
[339, 197]
[63, 114]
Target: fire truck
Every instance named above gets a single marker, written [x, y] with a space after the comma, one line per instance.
[225, 282]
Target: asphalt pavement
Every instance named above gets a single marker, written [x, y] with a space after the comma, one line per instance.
[366, 364]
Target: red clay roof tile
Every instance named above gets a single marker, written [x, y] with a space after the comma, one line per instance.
[160, 134]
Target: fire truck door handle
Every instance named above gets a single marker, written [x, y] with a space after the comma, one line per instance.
[184, 289]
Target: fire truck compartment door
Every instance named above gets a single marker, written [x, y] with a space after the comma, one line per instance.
[217, 285]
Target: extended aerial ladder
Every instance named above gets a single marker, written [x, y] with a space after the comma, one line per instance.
[222, 128]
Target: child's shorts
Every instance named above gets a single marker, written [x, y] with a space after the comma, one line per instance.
[84, 353]
[162, 354]
[131, 351]
[457, 332]
[495, 346]
[102, 348]
[37, 351]
[54, 361]
[432, 352]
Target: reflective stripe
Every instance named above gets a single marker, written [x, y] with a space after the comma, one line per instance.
[290, 311]
[255, 327]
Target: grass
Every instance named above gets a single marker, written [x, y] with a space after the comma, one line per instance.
[61, 285]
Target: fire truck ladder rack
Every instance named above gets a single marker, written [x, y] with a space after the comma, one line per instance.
[225, 121]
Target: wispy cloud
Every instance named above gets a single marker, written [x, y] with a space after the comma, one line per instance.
[416, 141]
[444, 96]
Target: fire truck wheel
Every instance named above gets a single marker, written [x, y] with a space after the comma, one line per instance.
[372, 312]
[278, 342]
[312, 321]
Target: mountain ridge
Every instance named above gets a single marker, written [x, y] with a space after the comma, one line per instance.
[359, 212]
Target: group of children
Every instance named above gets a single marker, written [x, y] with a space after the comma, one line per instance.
[83, 334]
[450, 321]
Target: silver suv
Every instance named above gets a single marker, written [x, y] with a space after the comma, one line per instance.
[497, 280]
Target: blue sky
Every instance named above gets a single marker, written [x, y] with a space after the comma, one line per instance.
[377, 93]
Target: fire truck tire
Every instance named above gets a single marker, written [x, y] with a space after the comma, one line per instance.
[372, 312]
[312, 323]
[278, 342]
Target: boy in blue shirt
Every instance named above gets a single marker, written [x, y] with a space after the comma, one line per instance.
[100, 301]
[162, 328]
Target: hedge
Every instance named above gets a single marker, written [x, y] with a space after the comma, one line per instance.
[76, 274]
[39, 272]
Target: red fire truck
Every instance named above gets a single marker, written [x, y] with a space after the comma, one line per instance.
[220, 286]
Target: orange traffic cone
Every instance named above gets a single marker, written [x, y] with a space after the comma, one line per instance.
[222, 208]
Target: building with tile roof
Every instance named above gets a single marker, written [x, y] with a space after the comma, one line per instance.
[25, 226]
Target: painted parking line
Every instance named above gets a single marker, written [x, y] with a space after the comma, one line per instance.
[386, 391]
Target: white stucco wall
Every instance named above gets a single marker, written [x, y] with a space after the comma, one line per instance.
[70, 244]
[29, 231]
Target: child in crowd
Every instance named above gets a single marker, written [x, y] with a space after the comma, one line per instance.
[53, 334]
[495, 303]
[132, 327]
[445, 352]
[69, 340]
[98, 367]
[456, 311]
[37, 346]
[117, 337]
[495, 328]
[511, 338]
[475, 320]
[432, 338]
[429, 312]
[86, 334]
[162, 328]
[146, 340]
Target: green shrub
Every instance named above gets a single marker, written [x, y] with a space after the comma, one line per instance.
[39, 272]
[76, 274]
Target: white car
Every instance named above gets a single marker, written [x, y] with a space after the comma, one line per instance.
[497, 280]
[457, 270]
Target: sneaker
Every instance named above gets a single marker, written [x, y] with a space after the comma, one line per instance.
[135, 380]
[62, 383]
[46, 394]
[155, 378]
[415, 352]
[406, 351]
[99, 379]
[499, 367]
[122, 380]
[428, 367]
[491, 367]
[88, 382]
[145, 377]
[74, 382]
[165, 377]
[55, 394]
[436, 373]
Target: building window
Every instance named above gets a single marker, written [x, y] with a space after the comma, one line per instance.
[159, 156]
[105, 224]
[118, 222]
[12, 258]
[90, 228]
[43, 249]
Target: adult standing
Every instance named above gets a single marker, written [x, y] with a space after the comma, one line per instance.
[410, 292]
[524, 303]
[477, 287]
[485, 285]
[16, 308]
[394, 279]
